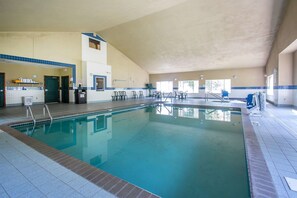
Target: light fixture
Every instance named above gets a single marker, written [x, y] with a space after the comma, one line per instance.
[34, 76]
[234, 76]
[201, 76]
[65, 69]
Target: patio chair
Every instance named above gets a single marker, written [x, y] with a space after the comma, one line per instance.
[141, 94]
[225, 95]
[134, 95]
[115, 96]
[123, 95]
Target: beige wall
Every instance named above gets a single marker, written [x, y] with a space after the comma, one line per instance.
[244, 77]
[61, 46]
[295, 68]
[281, 59]
[67, 47]
[285, 69]
[125, 73]
[15, 71]
[286, 35]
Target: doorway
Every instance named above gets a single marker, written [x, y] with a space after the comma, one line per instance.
[51, 89]
[65, 89]
[2, 89]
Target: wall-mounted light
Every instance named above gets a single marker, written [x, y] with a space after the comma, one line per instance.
[265, 75]
[201, 77]
[234, 76]
[175, 79]
[71, 79]
[34, 76]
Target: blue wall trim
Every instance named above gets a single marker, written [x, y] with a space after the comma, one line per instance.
[40, 61]
[285, 87]
[256, 87]
[92, 36]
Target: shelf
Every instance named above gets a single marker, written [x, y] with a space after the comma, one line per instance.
[25, 83]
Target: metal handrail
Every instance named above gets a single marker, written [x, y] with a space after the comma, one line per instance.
[45, 107]
[218, 96]
[168, 96]
[31, 113]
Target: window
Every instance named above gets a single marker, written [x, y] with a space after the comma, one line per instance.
[270, 85]
[100, 83]
[216, 86]
[165, 86]
[189, 86]
[94, 44]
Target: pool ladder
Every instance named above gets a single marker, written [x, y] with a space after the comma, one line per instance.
[46, 109]
[29, 110]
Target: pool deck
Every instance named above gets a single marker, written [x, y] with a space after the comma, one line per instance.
[275, 131]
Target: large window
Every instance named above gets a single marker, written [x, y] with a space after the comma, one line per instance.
[216, 86]
[189, 86]
[270, 85]
[165, 86]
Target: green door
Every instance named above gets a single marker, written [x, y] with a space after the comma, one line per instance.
[65, 89]
[51, 89]
[2, 90]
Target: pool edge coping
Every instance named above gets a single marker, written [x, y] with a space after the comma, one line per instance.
[258, 173]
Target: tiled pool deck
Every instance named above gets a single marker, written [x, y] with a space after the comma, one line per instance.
[274, 136]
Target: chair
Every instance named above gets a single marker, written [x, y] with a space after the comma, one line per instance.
[123, 95]
[175, 94]
[225, 95]
[250, 101]
[134, 94]
[141, 94]
[182, 95]
[115, 96]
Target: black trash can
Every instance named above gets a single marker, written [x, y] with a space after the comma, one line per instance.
[80, 96]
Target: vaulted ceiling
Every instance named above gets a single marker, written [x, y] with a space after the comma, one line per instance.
[161, 36]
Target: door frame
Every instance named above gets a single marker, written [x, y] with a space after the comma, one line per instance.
[4, 90]
[58, 77]
[62, 89]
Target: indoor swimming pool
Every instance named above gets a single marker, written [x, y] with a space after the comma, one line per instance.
[169, 151]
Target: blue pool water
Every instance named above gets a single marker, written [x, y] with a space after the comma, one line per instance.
[170, 151]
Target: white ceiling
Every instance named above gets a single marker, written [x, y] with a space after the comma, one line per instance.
[74, 15]
[161, 35]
